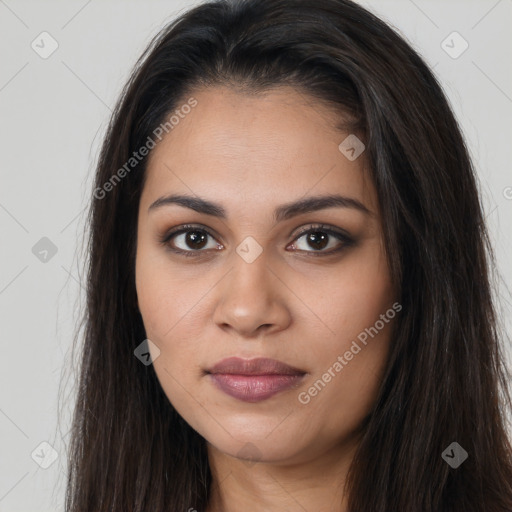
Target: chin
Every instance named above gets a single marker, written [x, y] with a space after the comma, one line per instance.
[252, 446]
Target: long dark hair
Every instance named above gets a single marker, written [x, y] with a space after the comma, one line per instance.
[445, 379]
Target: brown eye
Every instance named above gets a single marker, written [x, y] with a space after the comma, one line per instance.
[319, 238]
[195, 239]
[192, 239]
[188, 240]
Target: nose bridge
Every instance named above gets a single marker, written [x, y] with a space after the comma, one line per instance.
[250, 268]
[251, 295]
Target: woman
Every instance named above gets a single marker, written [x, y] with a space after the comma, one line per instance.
[289, 305]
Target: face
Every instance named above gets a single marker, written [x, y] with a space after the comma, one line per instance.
[251, 276]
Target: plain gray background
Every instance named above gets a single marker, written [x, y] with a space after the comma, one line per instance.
[53, 113]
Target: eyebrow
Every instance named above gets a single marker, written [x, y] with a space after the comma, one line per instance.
[283, 212]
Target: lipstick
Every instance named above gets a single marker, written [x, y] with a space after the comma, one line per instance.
[253, 380]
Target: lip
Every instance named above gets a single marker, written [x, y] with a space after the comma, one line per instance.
[253, 380]
[256, 366]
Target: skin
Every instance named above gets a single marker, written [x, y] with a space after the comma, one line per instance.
[250, 154]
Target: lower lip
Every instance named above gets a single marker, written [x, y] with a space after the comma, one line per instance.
[254, 388]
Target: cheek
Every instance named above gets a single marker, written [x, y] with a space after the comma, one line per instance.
[353, 297]
[351, 308]
[172, 305]
[163, 299]
[167, 310]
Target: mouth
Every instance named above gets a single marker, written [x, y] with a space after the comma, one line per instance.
[253, 380]
[257, 366]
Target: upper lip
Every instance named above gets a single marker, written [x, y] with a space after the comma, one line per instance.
[257, 366]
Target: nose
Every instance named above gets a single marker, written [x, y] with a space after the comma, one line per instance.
[252, 299]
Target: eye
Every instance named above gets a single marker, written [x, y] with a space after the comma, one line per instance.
[320, 237]
[188, 240]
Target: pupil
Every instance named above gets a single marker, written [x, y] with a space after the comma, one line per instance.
[193, 237]
[318, 239]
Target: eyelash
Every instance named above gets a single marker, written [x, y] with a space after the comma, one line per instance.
[312, 228]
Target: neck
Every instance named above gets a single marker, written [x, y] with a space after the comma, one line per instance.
[306, 483]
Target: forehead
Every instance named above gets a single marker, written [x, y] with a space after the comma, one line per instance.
[276, 146]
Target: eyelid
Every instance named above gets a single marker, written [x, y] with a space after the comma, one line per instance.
[323, 227]
[184, 228]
